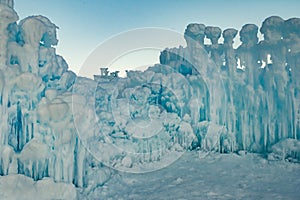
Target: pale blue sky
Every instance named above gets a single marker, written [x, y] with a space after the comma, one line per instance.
[84, 24]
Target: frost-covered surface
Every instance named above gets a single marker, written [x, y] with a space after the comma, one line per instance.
[212, 97]
[61, 131]
[14, 187]
[38, 136]
[217, 176]
[287, 149]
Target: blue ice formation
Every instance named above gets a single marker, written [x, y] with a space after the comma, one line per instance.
[212, 97]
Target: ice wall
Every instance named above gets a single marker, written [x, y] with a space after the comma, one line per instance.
[212, 97]
[38, 137]
[259, 78]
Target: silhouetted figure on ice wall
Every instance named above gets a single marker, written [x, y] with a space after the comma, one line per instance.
[261, 79]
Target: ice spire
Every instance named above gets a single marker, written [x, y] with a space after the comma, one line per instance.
[7, 16]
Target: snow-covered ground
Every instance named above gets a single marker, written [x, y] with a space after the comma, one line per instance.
[196, 175]
[215, 176]
[20, 187]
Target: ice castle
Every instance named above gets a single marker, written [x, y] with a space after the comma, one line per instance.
[203, 96]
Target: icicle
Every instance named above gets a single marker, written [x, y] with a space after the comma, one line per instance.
[79, 170]
[58, 168]
[19, 128]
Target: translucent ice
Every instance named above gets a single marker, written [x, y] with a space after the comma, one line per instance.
[55, 124]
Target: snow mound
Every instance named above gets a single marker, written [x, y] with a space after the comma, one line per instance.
[288, 149]
[22, 187]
